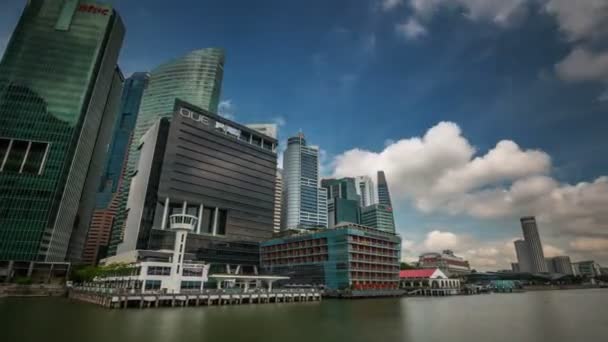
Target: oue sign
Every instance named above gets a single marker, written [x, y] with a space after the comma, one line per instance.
[187, 113]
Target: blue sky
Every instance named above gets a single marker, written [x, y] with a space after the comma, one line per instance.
[372, 74]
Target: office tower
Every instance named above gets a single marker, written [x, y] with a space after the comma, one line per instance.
[562, 264]
[384, 196]
[195, 78]
[535, 247]
[86, 206]
[515, 267]
[366, 191]
[57, 82]
[106, 201]
[378, 216]
[304, 202]
[216, 170]
[559, 264]
[278, 196]
[523, 259]
[342, 201]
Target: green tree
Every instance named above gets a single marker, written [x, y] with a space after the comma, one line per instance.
[406, 266]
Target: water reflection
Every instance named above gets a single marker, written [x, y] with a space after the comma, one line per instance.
[532, 316]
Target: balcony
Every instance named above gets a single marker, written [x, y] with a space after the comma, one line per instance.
[183, 222]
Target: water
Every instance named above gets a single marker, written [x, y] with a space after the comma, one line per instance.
[575, 315]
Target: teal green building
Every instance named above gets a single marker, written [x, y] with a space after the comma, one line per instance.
[59, 89]
[378, 216]
[346, 257]
[195, 78]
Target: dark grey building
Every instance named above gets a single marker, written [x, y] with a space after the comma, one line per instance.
[535, 247]
[523, 258]
[214, 169]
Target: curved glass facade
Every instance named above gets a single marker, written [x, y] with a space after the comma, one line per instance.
[195, 78]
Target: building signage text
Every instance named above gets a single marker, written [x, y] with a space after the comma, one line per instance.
[93, 9]
[194, 116]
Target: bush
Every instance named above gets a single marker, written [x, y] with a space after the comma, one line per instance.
[23, 280]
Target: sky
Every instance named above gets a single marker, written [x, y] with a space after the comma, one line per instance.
[479, 111]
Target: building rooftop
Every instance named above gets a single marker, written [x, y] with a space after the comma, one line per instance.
[423, 273]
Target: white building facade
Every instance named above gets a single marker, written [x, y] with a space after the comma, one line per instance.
[160, 271]
[278, 200]
[304, 201]
[366, 191]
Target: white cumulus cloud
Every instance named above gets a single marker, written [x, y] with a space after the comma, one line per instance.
[497, 11]
[443, 172]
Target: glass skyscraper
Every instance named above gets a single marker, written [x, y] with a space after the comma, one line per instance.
[195, 78]
[384, 196]
[342, 201]
[305, 203]
[106, 200]
[378, 216]
[58, 78]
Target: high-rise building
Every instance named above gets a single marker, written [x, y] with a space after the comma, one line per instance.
[304, 202]
[535, 247]
[378, 216]
[342, 201]
[195, 78]
[366, 191]
[515, 267]
[278, 196]
[56, 114]
[560, 264]
[523, 259]
[220, 173]
[106, 201]
[271, 130]
[384, 196]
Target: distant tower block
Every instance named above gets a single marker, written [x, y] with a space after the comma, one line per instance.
[535, 247]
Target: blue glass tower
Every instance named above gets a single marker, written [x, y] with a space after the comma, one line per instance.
[123, 129]
[106, 198]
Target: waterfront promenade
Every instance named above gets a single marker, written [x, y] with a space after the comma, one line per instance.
[117, 299]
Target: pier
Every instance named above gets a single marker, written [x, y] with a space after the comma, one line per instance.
[205, 298]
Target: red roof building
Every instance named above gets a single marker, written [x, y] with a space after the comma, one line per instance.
[423, 273]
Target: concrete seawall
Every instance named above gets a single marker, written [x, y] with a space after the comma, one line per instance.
[190, 299]
[38, 290]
